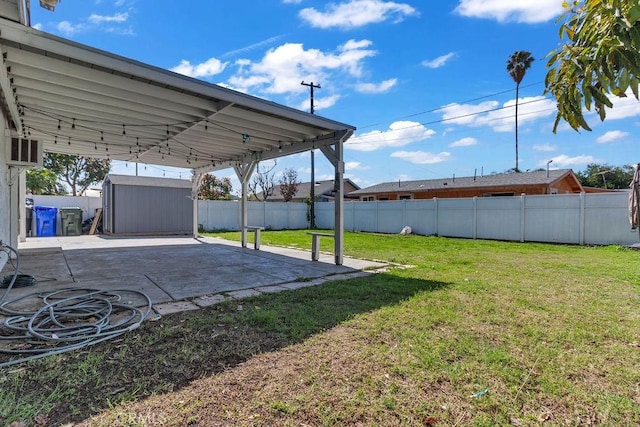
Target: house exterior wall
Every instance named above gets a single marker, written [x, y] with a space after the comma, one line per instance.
[562, 187]
[148, 210]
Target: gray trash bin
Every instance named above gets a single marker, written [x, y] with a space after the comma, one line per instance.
[71, 221]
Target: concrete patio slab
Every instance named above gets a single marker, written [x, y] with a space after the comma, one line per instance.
[176, 272]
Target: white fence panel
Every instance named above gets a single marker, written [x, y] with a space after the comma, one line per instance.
[298, 216]
[86, 203]
[498, 218]
[420, 216]
[605, 222]
[218, 215]
[555, 219]
[390, 216]
[455, 217]
[324, 212]
[366, 216]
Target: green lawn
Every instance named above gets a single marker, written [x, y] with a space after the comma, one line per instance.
[472, 333]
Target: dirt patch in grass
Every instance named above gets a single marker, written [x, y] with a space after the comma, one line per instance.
[159, 357]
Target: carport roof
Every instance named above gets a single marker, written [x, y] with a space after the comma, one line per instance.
[83, 101]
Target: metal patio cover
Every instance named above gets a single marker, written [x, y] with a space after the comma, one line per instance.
[84, 101]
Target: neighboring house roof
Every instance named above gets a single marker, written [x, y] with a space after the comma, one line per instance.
[322, 188]
[486, 181]
[147, 181]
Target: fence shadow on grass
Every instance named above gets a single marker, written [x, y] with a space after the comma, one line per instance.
[168, 354]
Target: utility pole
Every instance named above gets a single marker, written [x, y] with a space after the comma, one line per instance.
[312, 194]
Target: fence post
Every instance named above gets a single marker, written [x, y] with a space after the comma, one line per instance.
[475, 217]
[522, 216]
[404, 213]
[435, 216]
[581, 216]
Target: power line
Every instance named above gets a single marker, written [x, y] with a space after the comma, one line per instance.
[433, 110]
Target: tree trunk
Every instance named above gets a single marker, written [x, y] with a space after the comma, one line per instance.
[517, 96]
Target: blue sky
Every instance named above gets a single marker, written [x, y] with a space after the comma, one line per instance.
[424, 82]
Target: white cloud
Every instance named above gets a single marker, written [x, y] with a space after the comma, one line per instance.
[37, 26]
[209, 68]
[283, 68]
[526, 11]
[499, 118]
[422, 157]
[319, 103]
[376, 88]
[355, 166]
[623, 107]
[399, 134]
[69, 29]
[121, 31]
[356, 13]
[565, 161]
[611, 136]
[99, 19]
[464, 142]
[544, 147]
[440, 61]
[252, 46]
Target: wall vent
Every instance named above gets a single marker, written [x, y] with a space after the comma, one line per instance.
[24, 152]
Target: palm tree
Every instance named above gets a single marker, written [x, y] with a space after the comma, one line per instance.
[517, 65]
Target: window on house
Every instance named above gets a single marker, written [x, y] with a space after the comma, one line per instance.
[499, 194]
[405, 197]
[368, 198]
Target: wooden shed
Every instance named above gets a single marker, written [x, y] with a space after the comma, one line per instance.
[146, 205]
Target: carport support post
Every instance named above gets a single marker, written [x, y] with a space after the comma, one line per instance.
[244, 172]
[195, 185]
[334, 155]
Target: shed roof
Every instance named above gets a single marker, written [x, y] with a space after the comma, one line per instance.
[486, 181]
[84, 101]
[147, 181]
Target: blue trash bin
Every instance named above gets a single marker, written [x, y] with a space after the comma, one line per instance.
[45, 221]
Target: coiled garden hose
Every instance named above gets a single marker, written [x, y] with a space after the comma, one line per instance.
[68, 319]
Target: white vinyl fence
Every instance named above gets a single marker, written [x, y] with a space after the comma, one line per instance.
[595, 218]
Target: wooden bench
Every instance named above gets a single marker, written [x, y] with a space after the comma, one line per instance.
[256, 235]
[315, 244]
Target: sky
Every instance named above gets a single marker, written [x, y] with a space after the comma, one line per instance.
[424, 82]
